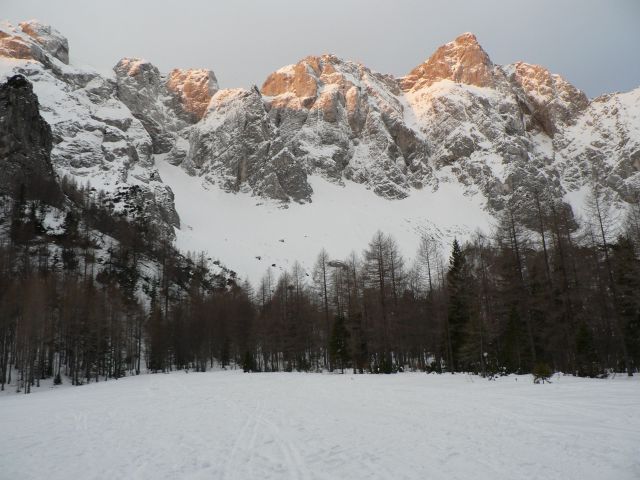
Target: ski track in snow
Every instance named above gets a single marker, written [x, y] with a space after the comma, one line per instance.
[232, 426]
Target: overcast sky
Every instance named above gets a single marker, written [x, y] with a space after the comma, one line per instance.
[594, 44]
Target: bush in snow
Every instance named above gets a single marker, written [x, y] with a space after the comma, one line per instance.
[541, 373]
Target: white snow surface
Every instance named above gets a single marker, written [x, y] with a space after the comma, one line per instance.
[230, 425]
[249, 234]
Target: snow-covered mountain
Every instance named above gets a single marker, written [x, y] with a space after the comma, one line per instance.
[326, 151]
[96, 138]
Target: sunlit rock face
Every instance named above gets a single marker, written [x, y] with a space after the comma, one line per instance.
[12, 46]
[33, 41]
[323, 116]
[461, 61]
[300, 79]
[342, 120]
[193, 88]
[49, 38]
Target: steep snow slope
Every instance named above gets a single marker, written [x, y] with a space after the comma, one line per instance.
[251, 234]
[229, 425]
[604, 144]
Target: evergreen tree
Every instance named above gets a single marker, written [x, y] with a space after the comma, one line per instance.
[458, 313]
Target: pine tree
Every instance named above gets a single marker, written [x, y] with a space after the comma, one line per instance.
[458, 314]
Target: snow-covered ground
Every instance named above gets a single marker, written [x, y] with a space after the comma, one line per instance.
[250, 234]
[230, 425]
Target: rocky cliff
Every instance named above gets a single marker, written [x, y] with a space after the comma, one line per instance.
[456, 117]
[164, 104]
[25, 142]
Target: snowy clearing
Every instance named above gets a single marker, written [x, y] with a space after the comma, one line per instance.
[230, 425]
[249, 234]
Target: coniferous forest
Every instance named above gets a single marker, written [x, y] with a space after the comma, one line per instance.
[103, 297]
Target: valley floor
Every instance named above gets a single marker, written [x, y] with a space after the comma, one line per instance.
[230, 425]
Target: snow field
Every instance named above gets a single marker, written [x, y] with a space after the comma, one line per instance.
[250, 234]
[230, 425]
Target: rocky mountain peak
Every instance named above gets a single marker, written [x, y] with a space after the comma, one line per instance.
[144, 72]
[11, 45]
[49, 38]
[139, 87]
[164, 104]
[323, 83]
[191, 89]
[551, 99]
[194, 88]
[33, 41]
[339, 119]
[14, 45]
[462, 61]
[307, 78]
[300, 79]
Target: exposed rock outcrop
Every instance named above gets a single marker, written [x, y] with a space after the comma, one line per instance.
[550, 99]
[164, 105]
[461, 61]
[342, 120]
[194, 89]
[25, 141]
[140, 88]
[49, 38]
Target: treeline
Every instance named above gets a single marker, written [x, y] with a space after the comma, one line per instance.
[106, 294]
[541, 293]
